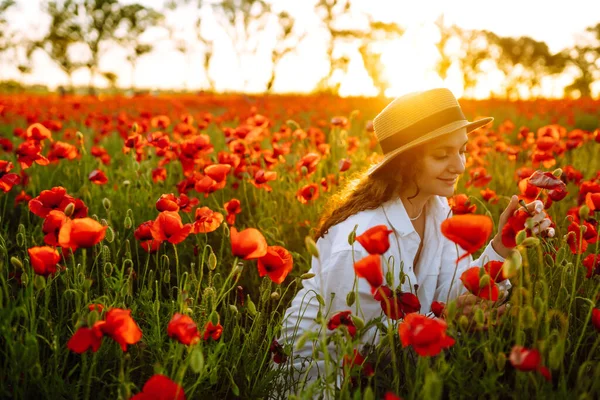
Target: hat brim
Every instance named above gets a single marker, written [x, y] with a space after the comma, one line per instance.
[446, 129]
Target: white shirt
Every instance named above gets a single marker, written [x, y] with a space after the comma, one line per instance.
[334, 271]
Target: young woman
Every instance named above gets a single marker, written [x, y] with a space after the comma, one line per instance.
[423, 136]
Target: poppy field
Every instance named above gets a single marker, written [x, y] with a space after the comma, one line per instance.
[149, 247]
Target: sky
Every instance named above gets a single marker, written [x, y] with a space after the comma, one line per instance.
[409, 61]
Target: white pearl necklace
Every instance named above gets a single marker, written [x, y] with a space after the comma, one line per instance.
[412, 219]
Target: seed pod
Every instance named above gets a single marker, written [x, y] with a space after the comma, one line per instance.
[16, 263]
[110, 235]
[106, 203]
[214, 317]
[530, 242]
[311, 246]
[584, 212]
[350, 298]
[307, 275]
[528, 317]
[167, 276]
[39, 282]
[521, 235]
[250, 306]
[108, 269]
[358, 322]
[463, 322]
[479, 317]
[500, 361]
[128, 223]
[275, 296]
[233, 309]
[212, 261]
[69, 209]
[484, 281]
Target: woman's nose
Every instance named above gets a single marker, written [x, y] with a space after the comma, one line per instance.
[458, 164]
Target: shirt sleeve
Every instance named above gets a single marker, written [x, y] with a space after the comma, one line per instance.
[449, 285]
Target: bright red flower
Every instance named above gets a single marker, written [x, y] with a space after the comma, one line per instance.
[460, 204]
[469, 231]
[81, 232]
[592, 263]
[557, 194]
[119, 325]
[159, 174]
[184, 329]
[28, 152]
[370, 268]
[391, 396]
[437, 308]
[261, 179]
[22, 198]
[247, 244]
[592, 200]
[277, 264]
[308, 193]
[218, 172]
[212, 331]
[62, 151]
[276, 349]
[44, 260]
[344, 164]
[310, 162]
[38, 132]
[575, 240]
[167, 202]
[357, 360]
[143, 233]
[207, 220]
[489, 195]
[375, 240]
[51, 227]
[48, 200]
[86, 338]
[426, 335]
[98, 177]
[495, 271]
[160, 387]
[342, 318]
[395, 304]
[168, 226]
[596, 318]
[7, 181]
[545, 180]
[525, 359]
[514, 225]
[232, 207]
[483, 287]
[479, 177]
[97, 307]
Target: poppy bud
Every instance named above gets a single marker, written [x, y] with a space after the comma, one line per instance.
[156, 306]
[584, 212]
[128, 223]
[303, 170]
[352, 236]
[307, 275]
[134, 127]
[451, 310]
[521, 236]
[530, 242]
[212, 261]
[87, 284]
[197, 360]
[350, 298]
[24, 279]
[92, 318]
[528, 317]
[233, 309]
[389, 278]
[275, 296]
[479, 317]
[463, 322]
[556, 356]
[485, 281]
[106, 203]
[39, 282]
[108, 269]
[164, 261]
[311, 247]
[69, 209]
[529, 223]
[368, 394]
[320, 300]
[16, 262]
[20, 239]
[501, 361]
[126, 182]
[433, 386]
[109, 235]
[251, 306]
[358, 322]
[557, 172]
[167, 276]
[214, 317]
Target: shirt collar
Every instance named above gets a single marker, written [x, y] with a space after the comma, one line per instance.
[398, 217]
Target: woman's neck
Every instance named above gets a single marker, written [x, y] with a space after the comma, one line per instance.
[414, 206]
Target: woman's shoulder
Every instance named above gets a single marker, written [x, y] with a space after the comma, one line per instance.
[337, 235]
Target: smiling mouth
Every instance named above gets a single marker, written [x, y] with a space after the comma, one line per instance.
[448, 181]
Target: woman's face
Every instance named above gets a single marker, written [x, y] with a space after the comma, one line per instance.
[443, 163]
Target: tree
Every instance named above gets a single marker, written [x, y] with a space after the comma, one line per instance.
[287, 42]
[135, 21]
[524, 62]
[473, 51]
[445, 61]
[5, 39]
[331, 13]
[584, 59]
[378, 32]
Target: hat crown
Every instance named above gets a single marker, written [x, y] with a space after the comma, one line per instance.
[409, 109]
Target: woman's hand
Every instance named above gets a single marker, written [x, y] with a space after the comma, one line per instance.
[541, 223]
[467, 304]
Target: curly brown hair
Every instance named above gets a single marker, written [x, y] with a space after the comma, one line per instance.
[364, 192]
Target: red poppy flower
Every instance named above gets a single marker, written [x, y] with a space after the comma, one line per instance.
[513, 226]
[28, 152]
[310, 162]
[276, 349]
[460, 204]
[184, 329]
[232, 207]
[596, 318]
[62, 151]
[21, 198]
[495, 271]
[143, 233]
[546, 180]
[557, 194]
[370, 268]
[38, 132]
[207, 220]
[261, 179]
[167, 202]
[469, 231]
[375, 240]
[98, 177]
[489, 195]
[247, 244]
[391, 396]
[277, 263]
[525, 359]
[576, 242]
[344, 164]
[160, 387]
[308, 193]
[96, 307]
[342, 318]
[479, 177]
[357, 360]
[218, 172]
[81, 232]
[168, 226]
[159, 174]
[592, 263]
[7, 181]
[48, 200]
[481, 286]
[592, 200]
[119, 325]
[426, 335]
[51, 227]
[43, 260]
[437, 308]
[86, 338]
[212, 331]
[395, 304]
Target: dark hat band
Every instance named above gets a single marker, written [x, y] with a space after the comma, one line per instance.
[421, 127]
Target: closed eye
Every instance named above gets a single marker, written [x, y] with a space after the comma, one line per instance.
[446, 156]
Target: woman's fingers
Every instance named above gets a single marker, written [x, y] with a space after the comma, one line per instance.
[545, 224]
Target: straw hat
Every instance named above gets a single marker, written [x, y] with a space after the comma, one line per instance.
[416, 118]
